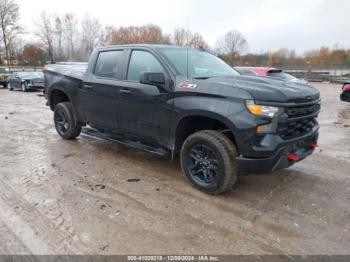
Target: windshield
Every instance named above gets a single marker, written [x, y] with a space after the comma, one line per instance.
[200, 64]
[282, 75]
[30, 74]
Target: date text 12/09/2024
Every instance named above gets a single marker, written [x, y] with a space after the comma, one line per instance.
[173, 258]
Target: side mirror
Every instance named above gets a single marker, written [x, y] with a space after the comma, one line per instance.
[151, 78]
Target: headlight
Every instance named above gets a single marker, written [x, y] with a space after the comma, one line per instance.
[260, 110]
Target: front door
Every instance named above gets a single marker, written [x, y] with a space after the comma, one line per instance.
[144, 110]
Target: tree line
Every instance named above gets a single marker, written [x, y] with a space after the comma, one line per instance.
[67, 38]
[324, 58]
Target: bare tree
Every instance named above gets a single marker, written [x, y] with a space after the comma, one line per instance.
[149, 34]
[9, 14]
[181, 37]
[152, 34]
[232, 44]
[184, 37]
[47, 34]
[91, 34]
[70, 34]
[59, 37]
[197, 41]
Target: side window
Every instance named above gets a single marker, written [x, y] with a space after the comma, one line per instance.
[142, 61]
[109, 64]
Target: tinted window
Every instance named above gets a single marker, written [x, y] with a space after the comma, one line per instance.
[197, 64]
[30, 75]
[142, 61]
[109, 64]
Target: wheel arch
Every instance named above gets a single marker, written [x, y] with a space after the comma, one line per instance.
[58, 95]
[201, 120]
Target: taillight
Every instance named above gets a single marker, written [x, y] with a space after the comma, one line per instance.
[293, 157]
[313, 145]
[346, 87]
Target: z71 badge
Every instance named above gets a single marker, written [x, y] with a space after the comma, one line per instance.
[187, 85]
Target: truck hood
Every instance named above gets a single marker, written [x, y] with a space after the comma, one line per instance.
[260, 88]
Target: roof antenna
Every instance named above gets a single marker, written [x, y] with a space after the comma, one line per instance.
[187, 43]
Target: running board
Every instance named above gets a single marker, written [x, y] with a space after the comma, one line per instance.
[125, 142]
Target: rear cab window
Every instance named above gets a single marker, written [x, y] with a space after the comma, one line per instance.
[109, 64]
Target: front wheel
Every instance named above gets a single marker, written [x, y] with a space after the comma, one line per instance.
[65, 121]
[24, 87]
[9, 86]
[208, 161]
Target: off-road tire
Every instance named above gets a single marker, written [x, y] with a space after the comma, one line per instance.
[224, 151]
[71, 129]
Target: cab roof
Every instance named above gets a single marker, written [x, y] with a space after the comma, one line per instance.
[150, 46]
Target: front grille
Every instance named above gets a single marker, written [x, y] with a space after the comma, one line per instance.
[294, 129]
[301, 121]
[299, 111]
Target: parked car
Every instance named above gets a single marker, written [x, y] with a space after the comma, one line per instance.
[26, 81]
[4, 75]
[345, 95]
[174, 101]
[270, 72]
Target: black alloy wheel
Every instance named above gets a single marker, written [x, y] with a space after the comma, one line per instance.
[202, 164]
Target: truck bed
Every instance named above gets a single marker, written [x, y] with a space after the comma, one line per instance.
[71, 69]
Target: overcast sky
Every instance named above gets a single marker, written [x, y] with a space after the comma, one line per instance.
[266, 24]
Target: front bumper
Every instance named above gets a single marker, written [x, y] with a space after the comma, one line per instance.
[300, 147]
[35, 87]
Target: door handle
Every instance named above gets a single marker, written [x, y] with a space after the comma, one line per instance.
[88, 87]
[125, 91]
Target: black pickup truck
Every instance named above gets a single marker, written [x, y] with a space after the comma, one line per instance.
[174, 101]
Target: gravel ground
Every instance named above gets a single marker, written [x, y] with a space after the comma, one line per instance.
[74, 197]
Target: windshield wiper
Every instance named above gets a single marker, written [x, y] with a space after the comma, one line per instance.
[202, 77]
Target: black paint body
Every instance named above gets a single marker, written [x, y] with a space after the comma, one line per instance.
[153, 115]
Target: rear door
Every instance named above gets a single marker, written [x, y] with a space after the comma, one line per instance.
[99, 92]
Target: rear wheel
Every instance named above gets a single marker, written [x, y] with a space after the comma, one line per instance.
[208, 161]
[65, 121]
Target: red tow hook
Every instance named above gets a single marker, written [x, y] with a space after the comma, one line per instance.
[314, 145]
[293, 157]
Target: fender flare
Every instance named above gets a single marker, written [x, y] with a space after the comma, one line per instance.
[200, 113]
[56, 88]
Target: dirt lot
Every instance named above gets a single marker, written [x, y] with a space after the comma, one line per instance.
[73, 197]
